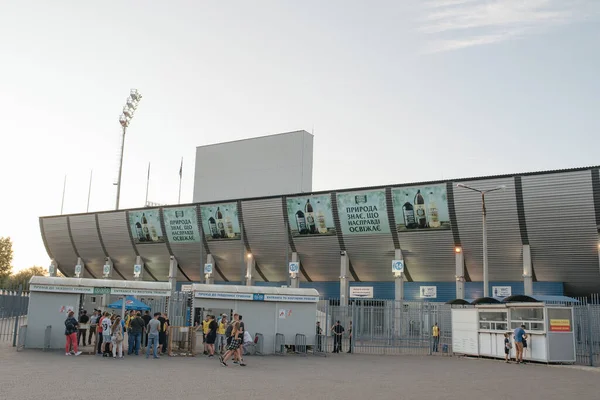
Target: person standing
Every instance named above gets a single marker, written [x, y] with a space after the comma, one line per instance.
[146, 317]
[117, 338]
[350, 338]
[221, 339]
[137, 328]
[205, 323]
[93, 325]
[319, 333]
[106, 335]
[518, 335]
[130, 342]
[71, 328]
[338, 331]
[435, 334]
[83, 327]
[153, 332]
[162, 333]
[507, 347]
[211, 336]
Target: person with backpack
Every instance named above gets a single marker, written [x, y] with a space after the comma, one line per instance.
[71, 329]
[117, 338]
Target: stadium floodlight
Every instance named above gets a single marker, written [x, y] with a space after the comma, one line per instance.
[125, 118]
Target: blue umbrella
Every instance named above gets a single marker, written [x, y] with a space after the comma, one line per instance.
[131, 303]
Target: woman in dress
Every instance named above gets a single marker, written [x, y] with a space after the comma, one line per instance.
[233, 347]
[117, 338]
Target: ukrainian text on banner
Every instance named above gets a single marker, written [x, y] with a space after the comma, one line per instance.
[181, 225]
[363, 212]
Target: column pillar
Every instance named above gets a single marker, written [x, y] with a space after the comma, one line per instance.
[53, 269]
[79, 268]
[398, 279]
[250, 269]
[173, 273]
[138, 269]
[295, 280]
[344, 270]
[107, 269]
[209, 279]
[460, 272]
[527, 271]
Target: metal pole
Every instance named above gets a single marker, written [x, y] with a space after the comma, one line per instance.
[590, 338]
[16, 329]
[62, 203]
[87, 209]
[180, 176]
[120, 168]
[147, 186]
[287, 253]
[486, 282]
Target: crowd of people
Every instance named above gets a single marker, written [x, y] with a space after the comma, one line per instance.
[108, 331]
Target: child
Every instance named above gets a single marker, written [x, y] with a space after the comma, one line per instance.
[507, 347]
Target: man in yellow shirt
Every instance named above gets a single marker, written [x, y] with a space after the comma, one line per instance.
[221, 339]
[205, 330]
[435, 333]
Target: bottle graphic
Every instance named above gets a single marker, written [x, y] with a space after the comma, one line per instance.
[321, 222]
[409, 214]
[145, 228]
[301, 223]
[434, 217]
[139, 232]
[220, 224]
[153, 234]
[420, 210]
[310, 217]
[212, 225]
[229, 228]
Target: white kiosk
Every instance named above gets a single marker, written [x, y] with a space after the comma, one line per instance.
[479, 331]
[265, 310]
[51, 298]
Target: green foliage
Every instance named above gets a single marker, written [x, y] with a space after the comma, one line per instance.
[23, 277]
[6, 257]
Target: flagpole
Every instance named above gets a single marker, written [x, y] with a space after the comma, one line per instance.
[89, 191]
[62, 203]
[147, 186]
[180, 176]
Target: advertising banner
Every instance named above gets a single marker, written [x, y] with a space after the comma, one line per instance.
[501, 291]
[310, 215]
[560, 325]
[428, 292]
[361, 292]
[145, 226]
[418, 208]
[363, 212]
[220, 221]
[181, 225]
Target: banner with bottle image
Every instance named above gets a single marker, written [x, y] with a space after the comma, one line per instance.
[181, 225]
[145, 226]
[363, 212]
[418, 208]
[220, 221]
[310, 215]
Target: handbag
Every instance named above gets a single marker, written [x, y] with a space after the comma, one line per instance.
[119, 336]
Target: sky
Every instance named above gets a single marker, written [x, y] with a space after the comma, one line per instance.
[394, 92]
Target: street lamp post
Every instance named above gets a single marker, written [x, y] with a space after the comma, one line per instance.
[486, 282]
[130, 106]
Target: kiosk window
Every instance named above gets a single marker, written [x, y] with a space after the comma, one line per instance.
[492, 316]
[527, 314]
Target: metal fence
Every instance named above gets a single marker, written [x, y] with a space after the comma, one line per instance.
[13, 311]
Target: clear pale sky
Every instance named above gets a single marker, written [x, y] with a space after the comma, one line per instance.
[397, 91]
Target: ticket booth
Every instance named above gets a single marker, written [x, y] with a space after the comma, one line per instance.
[479, 331]
[51, 298]
[265, 310]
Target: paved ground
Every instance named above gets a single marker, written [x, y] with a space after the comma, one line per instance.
[33, 374]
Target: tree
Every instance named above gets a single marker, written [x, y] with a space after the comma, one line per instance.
[6, 257]
[23, 277]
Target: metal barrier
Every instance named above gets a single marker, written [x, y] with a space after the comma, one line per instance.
[13, 306]
[181, 341]
[259, 340]
[47, 337]
[279, 344]
[300, 344]
[22, 335]
[320, 347]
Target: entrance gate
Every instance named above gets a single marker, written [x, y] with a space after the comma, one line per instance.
[13, 312]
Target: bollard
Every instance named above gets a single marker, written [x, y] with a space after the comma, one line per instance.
[279, 344]
[47, 337]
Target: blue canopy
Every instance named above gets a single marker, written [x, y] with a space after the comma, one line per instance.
[131, 303]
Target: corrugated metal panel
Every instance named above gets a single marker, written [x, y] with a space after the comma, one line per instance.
[371, 256]
[87, 241]
[559, 210]
[320, 257]
[191, 257]
[270, 284]
[327, 290]
[428, 255]
[117, 242]
[265, 231]
[59, 242]
[445, 291]
[474, 290]
[505, 259]
[549, 288]
[228, 255]
[157, 259]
